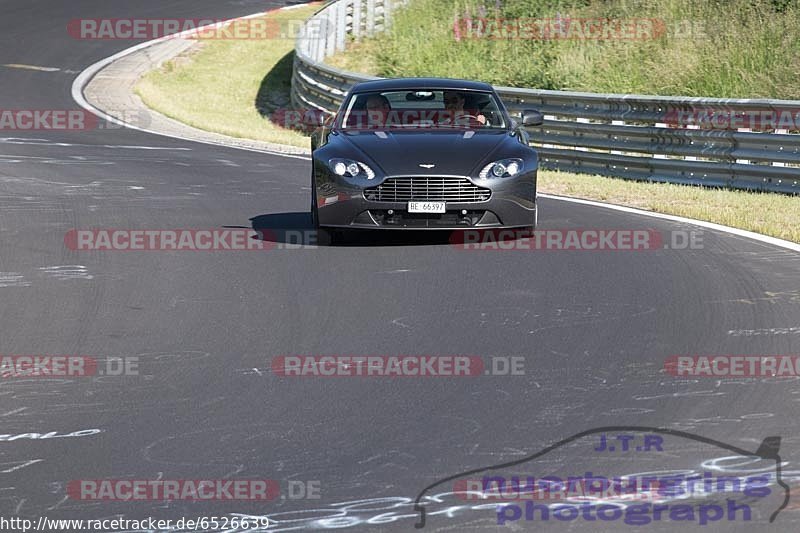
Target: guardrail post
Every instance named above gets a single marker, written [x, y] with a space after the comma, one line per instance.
[617, 123]
[330, 40]
[691, 127]
[370, 18]
[313, 45]
[743, 161]
[357, 20]
[341, 24]
[388, 5]
[380, 15]
[661, 125]
[778, 163]
[581, 120]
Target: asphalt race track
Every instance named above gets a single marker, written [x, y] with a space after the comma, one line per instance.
[594, 329]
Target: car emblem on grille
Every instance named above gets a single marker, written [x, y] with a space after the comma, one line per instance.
[427, 165]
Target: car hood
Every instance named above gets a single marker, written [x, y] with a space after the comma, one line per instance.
[402, 153]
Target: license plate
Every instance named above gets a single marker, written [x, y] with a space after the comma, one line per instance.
[426, 207]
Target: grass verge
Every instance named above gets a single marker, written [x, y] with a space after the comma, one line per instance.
[770, 214]
[230, 86]
[709, 48]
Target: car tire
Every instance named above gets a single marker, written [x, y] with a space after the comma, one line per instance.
[314, 209]
[532, 227]
[314, 216]
[325, 236]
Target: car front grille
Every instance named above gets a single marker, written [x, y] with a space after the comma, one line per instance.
[427, 189]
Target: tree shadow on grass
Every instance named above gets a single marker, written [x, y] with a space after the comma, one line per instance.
[274, 92]
[273, 101]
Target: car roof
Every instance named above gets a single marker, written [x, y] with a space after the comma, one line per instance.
[419, 83]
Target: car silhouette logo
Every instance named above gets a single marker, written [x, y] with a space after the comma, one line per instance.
[428, 165]
[767, 451]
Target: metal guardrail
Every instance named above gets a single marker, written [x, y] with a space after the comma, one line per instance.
[625, 136]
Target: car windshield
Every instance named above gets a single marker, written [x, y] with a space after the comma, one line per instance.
[423, 108]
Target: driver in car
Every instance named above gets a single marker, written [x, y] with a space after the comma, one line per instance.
[454, 105]
[378, 108]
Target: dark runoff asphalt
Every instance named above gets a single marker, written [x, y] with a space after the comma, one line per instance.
[199, 331]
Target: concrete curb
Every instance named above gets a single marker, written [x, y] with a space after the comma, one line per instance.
[107, 89]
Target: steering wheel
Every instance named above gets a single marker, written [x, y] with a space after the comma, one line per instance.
[470, 120]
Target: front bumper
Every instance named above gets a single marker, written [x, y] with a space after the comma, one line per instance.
[512, 203]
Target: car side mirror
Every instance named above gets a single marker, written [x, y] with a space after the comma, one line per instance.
[320, 134]
[326, 118]
[531, 117]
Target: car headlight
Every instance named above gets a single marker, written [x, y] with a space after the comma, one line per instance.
[351, 169]
[505, 168]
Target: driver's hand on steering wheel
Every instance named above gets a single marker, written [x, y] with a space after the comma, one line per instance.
[468, 119]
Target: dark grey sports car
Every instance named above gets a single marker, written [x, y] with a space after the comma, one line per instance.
[423, 153]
